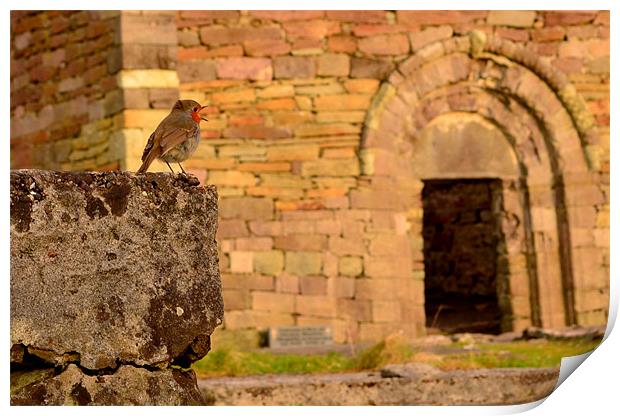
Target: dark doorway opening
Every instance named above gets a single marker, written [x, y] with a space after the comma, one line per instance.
[461, 230]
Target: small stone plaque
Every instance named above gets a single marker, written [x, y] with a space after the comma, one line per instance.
[299, 336]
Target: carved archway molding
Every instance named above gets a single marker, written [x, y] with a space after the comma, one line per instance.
[540, 114]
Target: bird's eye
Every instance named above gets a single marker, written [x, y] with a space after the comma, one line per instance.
[195, 109]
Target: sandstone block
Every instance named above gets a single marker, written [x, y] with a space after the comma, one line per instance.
[257, 69]
[310, 29]
[385, 311]
[301, 242]
[342, 102]
[514, 18]
[313, 285]
[396, 44]
[266, 47]
[293, 152]
[302, 263]
[232, 178]
[235, 299]
[221, 35]
[98, 274]
[286, 283]
[288, 15]
[196, 70]
[269, 262]
[427, 36]
[342, 43]
[333, 64]
[355, 309]
[241, 261]
[274, 302]
[340, 287]
[246, 208]
[330, 167]
[293, 67]
[321, 306]
[350, 266]
[232, 229]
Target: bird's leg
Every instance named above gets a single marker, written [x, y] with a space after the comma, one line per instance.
[169, 167]
[182, 170]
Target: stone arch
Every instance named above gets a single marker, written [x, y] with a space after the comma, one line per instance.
[545, 123]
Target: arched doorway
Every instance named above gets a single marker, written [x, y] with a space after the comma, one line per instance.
[542, 124]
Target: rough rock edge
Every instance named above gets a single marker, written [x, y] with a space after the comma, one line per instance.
[25, 192]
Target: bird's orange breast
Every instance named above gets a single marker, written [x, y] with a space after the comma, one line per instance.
[196, 116]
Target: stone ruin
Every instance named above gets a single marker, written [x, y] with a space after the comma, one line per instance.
[115, 287]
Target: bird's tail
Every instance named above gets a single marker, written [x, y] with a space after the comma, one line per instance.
[150, 157]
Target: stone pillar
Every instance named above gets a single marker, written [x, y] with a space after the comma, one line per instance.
[114, 279]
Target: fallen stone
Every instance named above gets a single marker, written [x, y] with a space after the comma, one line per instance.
[592, 332]
[462, 387]
[126, 386]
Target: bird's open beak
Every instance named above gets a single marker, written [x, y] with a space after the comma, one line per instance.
[202, 108]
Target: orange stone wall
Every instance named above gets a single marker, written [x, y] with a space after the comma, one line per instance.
[314, 121]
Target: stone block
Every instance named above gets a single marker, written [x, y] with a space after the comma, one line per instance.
[246, 208]
[235, 299]
[568, 17]
[257, 69]
[333, 64]
[266, 47]
[286, 283]
[396, 44]
[99, 275]
[342, 102]
[197, 70]
[313, 285]
[152, 29]
[386, 311]
[232, 229]
[320, 306]
[342, 44]
[427, 36]
[293, 152]
[355, 309]
[347, 246]
[340, 287]
[302, 263]
[293, 67]
[221, 35]
[273, 302]
[232, 178]
[330, 167]
[241, 261]
[513, 18]
[269, 262]
[387, 266]
[350, 266]
[301, 242]
[147, 78]
[310, 29]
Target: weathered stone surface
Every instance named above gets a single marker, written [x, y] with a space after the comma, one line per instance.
[126, 386]
[110, 268]
[396, 385]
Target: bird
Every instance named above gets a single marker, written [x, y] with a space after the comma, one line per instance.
[176, 137]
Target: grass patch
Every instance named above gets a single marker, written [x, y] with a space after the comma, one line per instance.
[231, 362]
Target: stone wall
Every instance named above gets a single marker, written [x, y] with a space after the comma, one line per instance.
[114, 279]
[64, 93]
[322, 126]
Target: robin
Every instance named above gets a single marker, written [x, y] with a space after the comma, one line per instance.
[176, 137]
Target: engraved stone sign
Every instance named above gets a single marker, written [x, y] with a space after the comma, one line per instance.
[299, 336]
